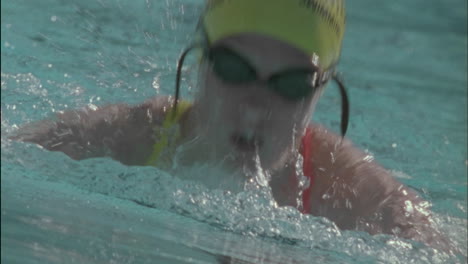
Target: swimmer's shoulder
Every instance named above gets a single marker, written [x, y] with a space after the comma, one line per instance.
[158, 106]
[336, 159]
[108, 118]
[122, 131]
[356, 192]
[161, 110]
[151, 112]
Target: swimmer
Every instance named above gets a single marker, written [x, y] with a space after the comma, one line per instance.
[264, 65]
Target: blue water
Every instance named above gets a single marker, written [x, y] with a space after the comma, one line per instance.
[405, 63]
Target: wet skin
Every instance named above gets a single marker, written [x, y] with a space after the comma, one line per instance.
[240, 121]
[236, 124]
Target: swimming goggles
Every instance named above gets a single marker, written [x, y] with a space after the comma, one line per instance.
[292, 84]
[228, 66]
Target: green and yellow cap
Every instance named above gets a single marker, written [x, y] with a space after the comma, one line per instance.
[314, 26]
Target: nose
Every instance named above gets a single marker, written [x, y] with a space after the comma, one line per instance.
[253, 118]
[255, 103]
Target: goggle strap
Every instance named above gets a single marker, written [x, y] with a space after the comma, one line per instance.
[344, 104]
[180, 63]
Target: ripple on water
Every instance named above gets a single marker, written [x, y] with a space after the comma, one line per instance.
[251, 213]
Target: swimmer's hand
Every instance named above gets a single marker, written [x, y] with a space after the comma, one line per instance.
[122, 132]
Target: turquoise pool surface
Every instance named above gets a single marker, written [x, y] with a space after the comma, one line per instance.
[404, 62]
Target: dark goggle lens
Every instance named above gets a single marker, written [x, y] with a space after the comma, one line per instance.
[230, 67]
[294, 85]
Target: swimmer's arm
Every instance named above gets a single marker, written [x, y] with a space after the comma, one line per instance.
[357, 193]
[122, 132]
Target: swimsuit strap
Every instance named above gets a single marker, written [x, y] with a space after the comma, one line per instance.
[166, 132]
[307, 168]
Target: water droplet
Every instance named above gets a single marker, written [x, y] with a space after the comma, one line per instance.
[92, 107]
[368, 158]
[408, 207]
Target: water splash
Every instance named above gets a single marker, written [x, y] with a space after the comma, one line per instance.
[303, 181]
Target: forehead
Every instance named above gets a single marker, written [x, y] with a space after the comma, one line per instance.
[266, 53]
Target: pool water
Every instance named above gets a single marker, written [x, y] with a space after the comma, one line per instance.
[404, 62]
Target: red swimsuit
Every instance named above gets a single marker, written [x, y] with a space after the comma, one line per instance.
[306, 152]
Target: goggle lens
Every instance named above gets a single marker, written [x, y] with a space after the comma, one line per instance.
[293, 85]
[230, 67]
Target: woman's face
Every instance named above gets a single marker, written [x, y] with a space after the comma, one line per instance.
[249, 124]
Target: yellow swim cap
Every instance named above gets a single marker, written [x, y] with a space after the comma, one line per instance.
[314, 26]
